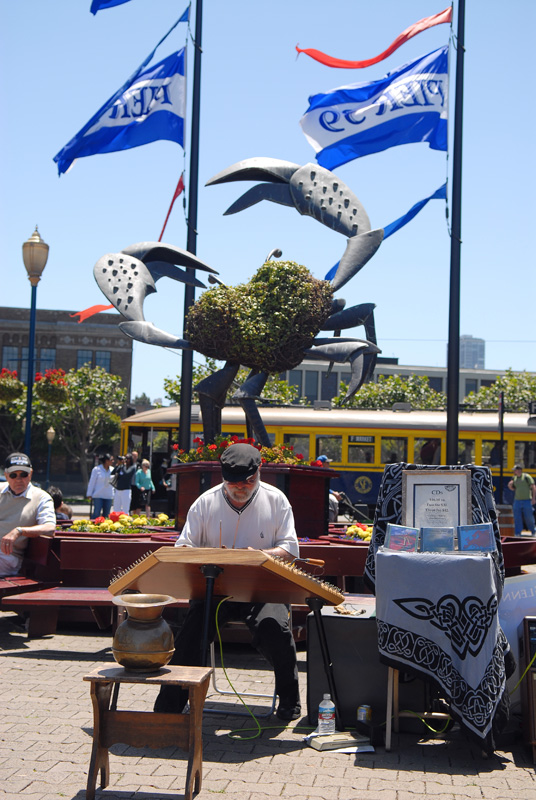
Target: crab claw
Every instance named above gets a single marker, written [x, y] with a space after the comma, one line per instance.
[147, 333]
[156, 251]
[360, 354]
[359, 250]
[125, 282]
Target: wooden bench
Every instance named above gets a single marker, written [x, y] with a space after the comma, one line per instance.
[34, 573]
[43, 606]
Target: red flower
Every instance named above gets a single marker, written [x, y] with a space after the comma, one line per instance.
[38, 377]
[212, 447]
[299, 455]
[98, 520]
[316, 463]
[199, 450]
[198, 440]
[175, 447]
[234, 438]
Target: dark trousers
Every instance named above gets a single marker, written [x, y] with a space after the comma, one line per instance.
[272, 637]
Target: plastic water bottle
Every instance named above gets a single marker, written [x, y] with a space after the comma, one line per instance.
[326, 715]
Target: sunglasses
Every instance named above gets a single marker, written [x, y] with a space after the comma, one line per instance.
[18, 474]
[249, 481]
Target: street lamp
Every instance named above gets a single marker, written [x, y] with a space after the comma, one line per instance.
[51, 435]
[34, 255]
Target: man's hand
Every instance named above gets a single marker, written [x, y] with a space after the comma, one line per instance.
[7, 541]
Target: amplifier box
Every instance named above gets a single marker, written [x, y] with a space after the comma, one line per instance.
[360, 677]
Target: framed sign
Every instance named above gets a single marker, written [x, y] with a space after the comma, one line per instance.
[436, 498]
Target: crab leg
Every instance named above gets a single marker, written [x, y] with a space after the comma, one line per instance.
[212, 393]
[246, 396]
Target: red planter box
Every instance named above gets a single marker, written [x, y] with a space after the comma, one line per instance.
[307, 489]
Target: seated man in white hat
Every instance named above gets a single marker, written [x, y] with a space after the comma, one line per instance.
[25, 512]
[241, 512]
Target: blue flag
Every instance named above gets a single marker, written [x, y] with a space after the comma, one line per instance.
[96, 5]
[149, 107]
[408, 105]
[439, 194]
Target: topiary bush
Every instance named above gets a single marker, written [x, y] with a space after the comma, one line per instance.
[265, 324]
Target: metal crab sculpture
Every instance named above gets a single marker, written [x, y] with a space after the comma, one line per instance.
[126, 278]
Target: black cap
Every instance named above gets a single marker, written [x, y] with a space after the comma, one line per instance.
[18, 462]
[239, 462]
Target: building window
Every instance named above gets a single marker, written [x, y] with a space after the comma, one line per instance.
[311, 385]
[295, 379]
[491, 453]
[427, 451]
[435, 383]
[328, 385]
[103, 358]
[83, 358]
[525, 454]
[23, 372]
[471, 385]
[10, 358]
[48, 358]
[360, 449]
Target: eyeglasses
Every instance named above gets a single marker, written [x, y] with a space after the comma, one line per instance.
[18, 474]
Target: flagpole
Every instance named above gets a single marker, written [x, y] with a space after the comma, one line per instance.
[191, 240]
[453, 360]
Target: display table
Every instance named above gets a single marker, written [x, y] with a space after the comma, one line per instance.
[437, 617]
[147, 728]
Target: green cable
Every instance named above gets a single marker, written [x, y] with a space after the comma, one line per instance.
[235, 734]
[516, 687]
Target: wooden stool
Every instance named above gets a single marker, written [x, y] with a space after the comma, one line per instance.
[146, 728]
[393, 712]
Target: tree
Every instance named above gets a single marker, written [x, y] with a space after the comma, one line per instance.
[519, 390]
[89, 416]
[275, 390]
[142, 400]
[391, 389]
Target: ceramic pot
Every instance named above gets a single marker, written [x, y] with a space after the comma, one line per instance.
[144, 641]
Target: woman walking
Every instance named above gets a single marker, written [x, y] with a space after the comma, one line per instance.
[145, 484]
[99, 488]
[124, 473]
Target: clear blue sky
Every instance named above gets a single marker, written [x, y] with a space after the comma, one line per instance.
[60, 64]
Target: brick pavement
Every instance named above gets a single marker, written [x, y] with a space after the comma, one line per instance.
[46, 729]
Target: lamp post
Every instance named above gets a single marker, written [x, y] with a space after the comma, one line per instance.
[51, 435]
[34, 255]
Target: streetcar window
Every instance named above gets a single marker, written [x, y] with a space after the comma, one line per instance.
[466, 451]
[525, 454]
[394, 449]
[491, 453]
[330, 446]
[300, 443]
[360, 453]
[427, 451]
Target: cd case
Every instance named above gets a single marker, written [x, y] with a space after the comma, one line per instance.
[333, 741]
[437, 540]
[401, 537]
[476, 537]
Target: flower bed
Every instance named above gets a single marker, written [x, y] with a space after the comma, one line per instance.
[120, 523]
[278, 454]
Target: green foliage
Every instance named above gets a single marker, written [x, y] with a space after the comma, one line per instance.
[393, 389]
[519, 389]
[265, 324]
[275, 391]
[89, 416]
[142, 400]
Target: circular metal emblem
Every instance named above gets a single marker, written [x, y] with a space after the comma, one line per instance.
[362, 485]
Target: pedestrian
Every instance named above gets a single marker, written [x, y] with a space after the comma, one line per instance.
[242, 512]
[99, 488]
[524, 489]
[145, 484]
[124, 471]
[25, 512]
[134, 491]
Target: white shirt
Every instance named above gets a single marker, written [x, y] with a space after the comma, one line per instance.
[266, 521]
[99, 483]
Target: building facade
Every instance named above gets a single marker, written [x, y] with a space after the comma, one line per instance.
[62, 343]
[315, 382]
[472, 353]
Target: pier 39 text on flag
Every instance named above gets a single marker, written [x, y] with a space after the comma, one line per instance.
[408, 105]
[151, 107]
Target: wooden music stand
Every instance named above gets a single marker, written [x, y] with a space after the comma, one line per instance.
[248, 576]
